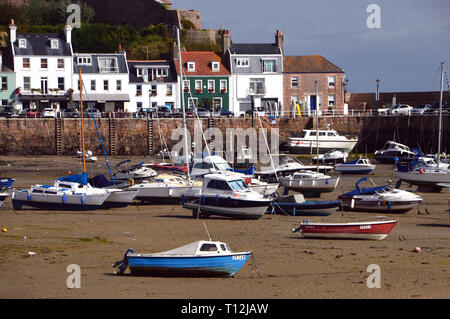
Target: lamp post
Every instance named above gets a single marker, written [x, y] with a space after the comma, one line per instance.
[377, 97]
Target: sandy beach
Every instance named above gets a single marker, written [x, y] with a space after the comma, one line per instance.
[287, 266]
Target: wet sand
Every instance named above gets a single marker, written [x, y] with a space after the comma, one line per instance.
[287, 265]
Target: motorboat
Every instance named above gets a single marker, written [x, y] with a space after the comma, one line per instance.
[309, 183]
[288, 166]
[359, 166]
[375, 230]
[327, 140]
[88, 156]
[118, 195]
[67, 193]
[296, 205]
[423, 175]
[392, 152]
[379, 199]
[331, 157]
[5, 186]
[163, 189]
[137, 172]
[227, 195]
[198, 259]
[427, 161]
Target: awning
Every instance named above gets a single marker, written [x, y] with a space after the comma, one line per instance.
[42, 98]
[101, 97]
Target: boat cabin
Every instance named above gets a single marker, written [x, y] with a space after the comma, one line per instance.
[200, 247]
[308, 175]
[390, 145]
[322, 133]
[209, 164]
[224, 182]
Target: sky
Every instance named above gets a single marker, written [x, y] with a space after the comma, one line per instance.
[404, 49]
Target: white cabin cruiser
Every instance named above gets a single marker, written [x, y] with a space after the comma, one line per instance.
[392, 151]
[326, 141]
[225, 195]
[331, 157]
[360, 166]
[309, 183]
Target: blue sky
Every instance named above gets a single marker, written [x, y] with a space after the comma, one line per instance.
[405, 53]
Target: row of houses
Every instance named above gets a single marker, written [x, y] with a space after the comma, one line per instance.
[40, 70]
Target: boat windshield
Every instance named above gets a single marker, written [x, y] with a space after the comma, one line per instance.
[222, 166]
[237, 185]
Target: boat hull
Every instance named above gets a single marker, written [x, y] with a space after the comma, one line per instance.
[310, 188]
[369, 230]
[159, 195]
[310, 146]
[428, 179]
[363, 205]
[189, 266]
[354, 169]
[118, 199]
[307, 208]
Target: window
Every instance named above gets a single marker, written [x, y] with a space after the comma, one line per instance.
[108, 65]
[198, 86]
[138, 106]
[331, 81]
[138, 89]
[60, 63]
[26, 83]
[215, 66]
[331, 100]
[242, 63]
[44, 63]
[208, 247]
[119, 85]
[61, 85]
[105, 85]
[191, 66]
[4, 83]
[22, 43]
[4, 102]
[192, 102]
[257, 86]
[217, 103]
[223, 86]
[269, 65]
[186, 86]
[79, 85]
[153, 90]
[169, 89]
[211, 86]
[93, 85]
[84, 60]
[54, 43]
[294, 81]
[26, 63]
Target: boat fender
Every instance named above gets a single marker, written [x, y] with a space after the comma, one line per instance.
[130, 181]
[230, 203]
[217, 200]
[352, 203]
[293, 213]
[389, 206]
[83, 200]
[64, 198]
[29, 196]
[170, 191]
[203, 200]
[183, 199]
[326, 181]
[421, 171]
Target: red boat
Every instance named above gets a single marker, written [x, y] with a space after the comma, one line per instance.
[377, 230]
[169, 167]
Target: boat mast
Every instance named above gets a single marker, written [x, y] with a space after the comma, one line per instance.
[317, 125]
[440, 114]
[82, 124]
[186, 150]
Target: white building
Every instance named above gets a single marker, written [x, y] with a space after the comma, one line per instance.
[43, 66]
[105, 81]
[151, 84]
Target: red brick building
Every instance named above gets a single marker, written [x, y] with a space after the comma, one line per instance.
[312, 81]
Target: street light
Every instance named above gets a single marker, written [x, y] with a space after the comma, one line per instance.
[377, 97]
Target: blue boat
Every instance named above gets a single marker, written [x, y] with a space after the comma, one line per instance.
[5, 186]
[197, 259]
[296, 205]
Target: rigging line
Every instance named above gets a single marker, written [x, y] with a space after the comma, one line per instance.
[163, 140]
[268, 150]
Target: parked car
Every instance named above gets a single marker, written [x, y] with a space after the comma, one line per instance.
[382, 111]
[162, 111]
[420, 109]
[70, 113]
[400, 109]
[259, 111]
[203, 112]
[95, 113]
[48, 113]
[434, 109]
[226, 113]
[8, 111]
[30, 113]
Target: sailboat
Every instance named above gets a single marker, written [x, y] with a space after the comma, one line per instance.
[425, 175]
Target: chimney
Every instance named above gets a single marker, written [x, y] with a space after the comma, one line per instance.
[12, 31]
[68, 33]
[226, 41]
[279, 40]
[174, 51]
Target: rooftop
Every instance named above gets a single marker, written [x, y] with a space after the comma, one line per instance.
[39, 44]
[309, 64]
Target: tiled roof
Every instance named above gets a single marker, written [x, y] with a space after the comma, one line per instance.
[132, 64]
[309, 64]
[202, 63]
[39, 44]
[254, 48]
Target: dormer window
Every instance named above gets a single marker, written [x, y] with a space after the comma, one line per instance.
[191, 66]
[84, 60]
[22, 43]
[54, 43]
[108, 65]
[215, 66]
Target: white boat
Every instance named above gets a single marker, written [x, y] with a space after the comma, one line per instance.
[137, 172]
[331, 157]
[62, 195]
[309, 183]
[327, 140]
[428, 161]
[225, 195]
[88, 156]
[392, 152]
[360, 166]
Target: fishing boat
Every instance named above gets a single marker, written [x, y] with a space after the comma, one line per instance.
[5, 186]
[67, 193]
[392, 152]
[296, 205]
[198, 259]
[375, 230]
[225, 195]
[309, 183]
[137, 172]
[326, 140]
[331, 157]
[359, 166]
[379, 199]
